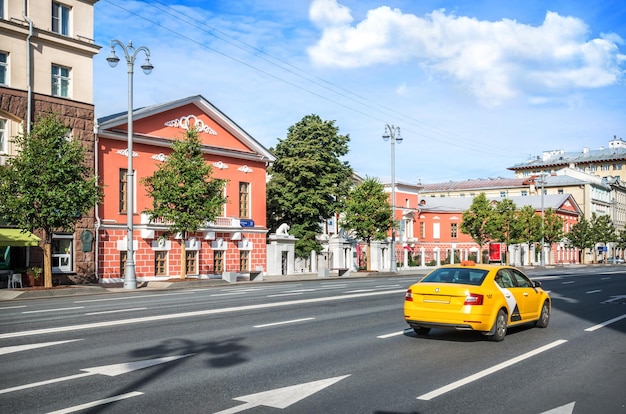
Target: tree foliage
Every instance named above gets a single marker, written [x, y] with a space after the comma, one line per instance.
[478, 220]
[367, 212]
[47, 186]
[308, 181]
[183, 191]
[581, 236]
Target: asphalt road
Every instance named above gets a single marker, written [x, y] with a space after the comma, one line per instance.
[323, 346]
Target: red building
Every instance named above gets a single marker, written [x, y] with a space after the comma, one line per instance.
[439, 228]
[234, 242]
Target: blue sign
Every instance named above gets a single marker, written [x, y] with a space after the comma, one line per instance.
[246, 223]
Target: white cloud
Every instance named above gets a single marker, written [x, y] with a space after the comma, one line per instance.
[328, 13]
[495, 61]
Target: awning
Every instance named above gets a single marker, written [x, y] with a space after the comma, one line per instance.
[15, 237]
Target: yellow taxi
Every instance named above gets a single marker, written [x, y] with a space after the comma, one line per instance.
[476, 297]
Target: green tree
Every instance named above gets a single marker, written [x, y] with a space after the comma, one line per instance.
[478, 221]
[504, 224]
[552, 227]
[581, 237]
[603, 230]
[367, 213]
[47, 186]
[183, 191]
[528, 226]
[308, 181]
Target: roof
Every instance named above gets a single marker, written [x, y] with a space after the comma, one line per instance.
[111, 121]
[461, 204]
[615, 152]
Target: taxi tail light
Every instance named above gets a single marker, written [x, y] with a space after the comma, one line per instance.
[408, 296]
[473, 299]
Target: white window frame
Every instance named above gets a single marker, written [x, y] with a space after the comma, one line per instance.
[3, 136]
[4, 67]
[63, 261]
[59, 78]
[61, 18]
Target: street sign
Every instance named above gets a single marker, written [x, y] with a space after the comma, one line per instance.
[246, 223]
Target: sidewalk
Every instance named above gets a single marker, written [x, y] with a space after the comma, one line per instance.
[103, 288]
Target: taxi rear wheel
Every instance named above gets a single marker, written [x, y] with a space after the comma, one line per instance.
[500, 327]
[421, 331]
[544, 318]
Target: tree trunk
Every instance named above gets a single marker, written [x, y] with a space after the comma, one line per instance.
[47, 260]
[183, 258]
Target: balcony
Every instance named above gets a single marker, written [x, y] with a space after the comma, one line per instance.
[221, 222]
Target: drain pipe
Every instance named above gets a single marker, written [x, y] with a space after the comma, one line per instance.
[98, 223]
[28, 68]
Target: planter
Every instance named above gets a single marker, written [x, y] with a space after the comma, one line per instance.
[33, 281]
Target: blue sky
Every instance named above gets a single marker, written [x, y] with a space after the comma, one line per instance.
[476, 86]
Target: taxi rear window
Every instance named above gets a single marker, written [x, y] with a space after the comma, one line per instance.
[464, 275]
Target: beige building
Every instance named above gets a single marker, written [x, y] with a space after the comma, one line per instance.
[593, 194]
[46, 66]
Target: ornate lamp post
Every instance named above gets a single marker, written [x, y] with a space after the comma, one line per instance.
[130, 53]
[393, 132]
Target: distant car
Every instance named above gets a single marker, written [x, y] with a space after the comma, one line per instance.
[476, 297]
[612, 260]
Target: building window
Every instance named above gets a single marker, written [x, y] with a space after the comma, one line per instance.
[502, 194]
[454, 230]
[244, 200]
[1, 9]
[605, 167]
[436, 230]
[244, 261]
[524, 193]
[617, 166]
[462, 195]
[593, 168]
[422, 230]
[218, 261]
[560, 191]
[60, 81]
[3, 135]
[4, 67]
[160, 263]
[62, 251]
[123, 256]
[191, 262]
[60, 19]
[123, 189]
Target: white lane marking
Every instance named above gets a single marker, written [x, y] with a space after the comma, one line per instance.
[276, 295]
[568, 282]
[594, 291]
[228, 294]
[603, 324]
[54, 310]
[488, 371]
[97, 403]
[406, 331]
[301, 290]
[115, 311]
[133, 297]
[13, 307]
[19, 348]
[283, 322]
[360, 290]
[206, 312]
[386, 286]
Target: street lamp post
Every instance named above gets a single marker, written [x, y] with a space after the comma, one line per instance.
[542, 182]
[393, 132]
[130, 279]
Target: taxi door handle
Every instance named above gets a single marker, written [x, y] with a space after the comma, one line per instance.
[525, 294]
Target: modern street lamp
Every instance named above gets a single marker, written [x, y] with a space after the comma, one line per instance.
[542, 182]
[393, 132]
[130, 279]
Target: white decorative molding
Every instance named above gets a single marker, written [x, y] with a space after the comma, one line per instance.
[220, 165]
[185, 122]
[192, 244]
[245, 169]
[218, 244]
[161, 244]
[124, 152]
[159, 157]
[209, 235]
[147, 234]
